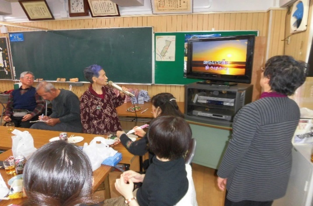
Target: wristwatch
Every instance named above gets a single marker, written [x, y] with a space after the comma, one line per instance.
[127, 201]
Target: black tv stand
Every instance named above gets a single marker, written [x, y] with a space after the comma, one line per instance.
[217, 84]
[215, 105]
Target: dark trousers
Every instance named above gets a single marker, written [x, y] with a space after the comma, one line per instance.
[18, 121]
[247, 203]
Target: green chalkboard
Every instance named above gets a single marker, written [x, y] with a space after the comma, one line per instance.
[124, 53]
[172, 72]
[5, 63]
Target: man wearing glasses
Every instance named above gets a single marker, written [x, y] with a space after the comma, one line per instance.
[24, 104]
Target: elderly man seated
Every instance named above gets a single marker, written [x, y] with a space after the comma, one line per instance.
[24, 104]
[65, 109]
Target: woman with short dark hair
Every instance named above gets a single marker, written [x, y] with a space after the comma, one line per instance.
[58, 174]
[256, 165]
[162, 104]
[165, 182]
[169, 137]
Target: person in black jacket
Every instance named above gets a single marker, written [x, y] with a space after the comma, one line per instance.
[162, 104]
[165, 182]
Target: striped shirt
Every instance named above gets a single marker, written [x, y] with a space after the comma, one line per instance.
[257, 162]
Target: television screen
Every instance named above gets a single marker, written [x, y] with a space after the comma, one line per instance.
[221, 59]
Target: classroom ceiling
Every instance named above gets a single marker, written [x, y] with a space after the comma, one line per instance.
[59, 8]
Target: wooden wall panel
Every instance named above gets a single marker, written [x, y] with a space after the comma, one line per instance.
[277, 32]
[161, 23]
[258, 62]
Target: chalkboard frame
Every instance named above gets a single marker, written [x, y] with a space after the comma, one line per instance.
[172, 72]
[110, 36]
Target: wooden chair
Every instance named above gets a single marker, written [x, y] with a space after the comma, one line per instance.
[191, 151]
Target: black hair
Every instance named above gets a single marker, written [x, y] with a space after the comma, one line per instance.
[58, 174]
[169, 137]
[167, 103]
[285, 74]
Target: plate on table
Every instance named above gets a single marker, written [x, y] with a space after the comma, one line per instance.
[105, 141]
[54, 139]
[17, 177]
[75, 139]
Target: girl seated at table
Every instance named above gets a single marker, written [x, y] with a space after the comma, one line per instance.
[162, 104]
[165, 181]
[58, 174]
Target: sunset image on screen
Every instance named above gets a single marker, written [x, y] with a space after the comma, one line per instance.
[220, 57]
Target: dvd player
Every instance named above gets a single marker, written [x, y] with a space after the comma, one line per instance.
[215, 98]
[215, 102]
[212, 114]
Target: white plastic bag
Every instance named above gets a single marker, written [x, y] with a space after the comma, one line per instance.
[304, 133]
[22, 144]
[4, 190]
[97, 151]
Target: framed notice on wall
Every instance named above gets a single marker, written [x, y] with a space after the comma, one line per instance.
[103, 8]
[36, 9]
[171, 6]
[5, 59]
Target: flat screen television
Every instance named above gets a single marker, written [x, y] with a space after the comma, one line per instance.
[221, 60]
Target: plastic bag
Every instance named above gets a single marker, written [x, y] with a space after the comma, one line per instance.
[144, 95]
[304, 132]
[4, 190]
[97, 151]
[22, 144]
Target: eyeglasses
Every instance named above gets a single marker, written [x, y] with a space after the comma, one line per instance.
[29, 78]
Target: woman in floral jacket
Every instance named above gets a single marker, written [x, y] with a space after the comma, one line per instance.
[98, 104]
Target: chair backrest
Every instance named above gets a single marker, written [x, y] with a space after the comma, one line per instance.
[191, 151]
[4, 98]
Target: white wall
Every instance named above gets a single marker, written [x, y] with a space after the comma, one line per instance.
[59, 8]
[5, 7]
[241, 5]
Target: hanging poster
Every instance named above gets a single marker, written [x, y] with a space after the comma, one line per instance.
[165, 48]
[5, 60]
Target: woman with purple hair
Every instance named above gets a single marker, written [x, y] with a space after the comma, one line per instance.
[98, 104]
